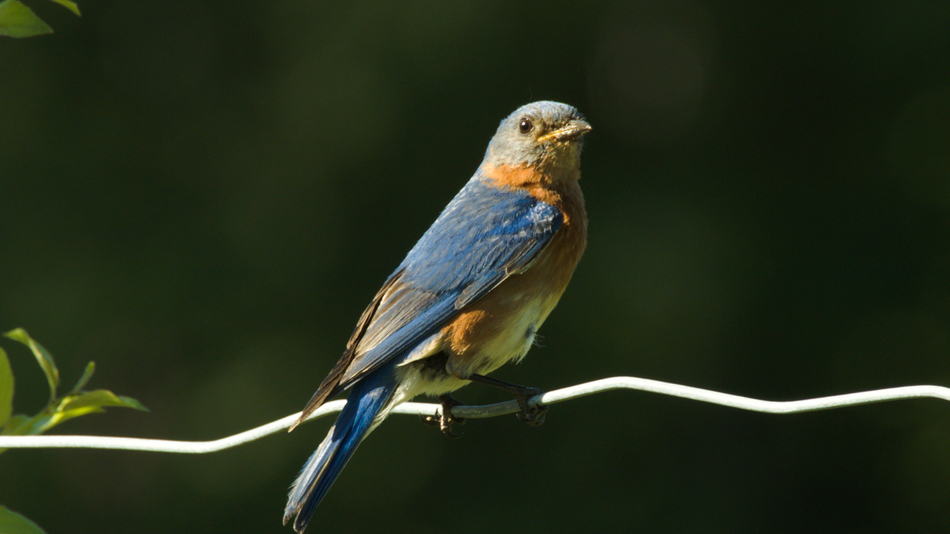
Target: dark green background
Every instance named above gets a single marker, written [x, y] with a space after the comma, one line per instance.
[203, 196]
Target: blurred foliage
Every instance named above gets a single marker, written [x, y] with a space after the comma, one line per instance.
[58, 410]
[203, 197]
[14, 523]
[17, 20]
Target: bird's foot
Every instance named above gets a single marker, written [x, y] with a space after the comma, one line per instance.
[443, 418]
[530, 415]
[533, 415]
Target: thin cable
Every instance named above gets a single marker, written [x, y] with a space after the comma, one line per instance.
[491, 410]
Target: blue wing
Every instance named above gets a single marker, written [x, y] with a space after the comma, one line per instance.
[483, 236]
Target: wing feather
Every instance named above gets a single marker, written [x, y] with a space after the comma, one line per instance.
[483, 236]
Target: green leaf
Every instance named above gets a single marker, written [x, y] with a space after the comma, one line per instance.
[84, 379]
[46, 422]
[17, 20]
[69, 407]
[22, 425]
[42, 355]
[14, 523]
[129, 402]
[6, 388]
[72, 7]
[16, 425]
[99, 398]
[73, 406]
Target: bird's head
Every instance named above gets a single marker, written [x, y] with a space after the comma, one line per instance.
[546, 135]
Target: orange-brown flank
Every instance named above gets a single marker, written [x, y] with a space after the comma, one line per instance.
[500, 326]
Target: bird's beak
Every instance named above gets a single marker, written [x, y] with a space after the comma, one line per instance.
[573, 130]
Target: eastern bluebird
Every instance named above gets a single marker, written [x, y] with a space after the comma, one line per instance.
[470, 295]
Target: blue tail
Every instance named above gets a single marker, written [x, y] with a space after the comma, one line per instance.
[367, 399]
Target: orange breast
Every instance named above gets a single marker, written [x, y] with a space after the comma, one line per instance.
[500, 326]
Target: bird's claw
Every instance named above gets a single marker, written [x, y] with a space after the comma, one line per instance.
[442, 418]
[531, 415]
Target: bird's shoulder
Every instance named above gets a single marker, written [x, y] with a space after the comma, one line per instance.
[485, 226]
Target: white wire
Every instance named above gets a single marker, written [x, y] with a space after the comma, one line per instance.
[491, 410]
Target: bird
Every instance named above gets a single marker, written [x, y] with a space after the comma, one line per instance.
[468, 298]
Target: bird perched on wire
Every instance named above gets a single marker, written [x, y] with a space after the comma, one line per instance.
[470, 295]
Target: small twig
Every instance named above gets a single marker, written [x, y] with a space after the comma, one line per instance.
[491, 410]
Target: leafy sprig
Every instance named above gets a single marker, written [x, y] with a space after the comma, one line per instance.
[18, 20]
[76, 403]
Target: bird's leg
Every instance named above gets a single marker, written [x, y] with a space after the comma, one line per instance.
[532, 415]
[443, 418]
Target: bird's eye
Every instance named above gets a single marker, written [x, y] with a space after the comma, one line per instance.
[525, 126]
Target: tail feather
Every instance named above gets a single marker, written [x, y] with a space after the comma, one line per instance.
[370, 398]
